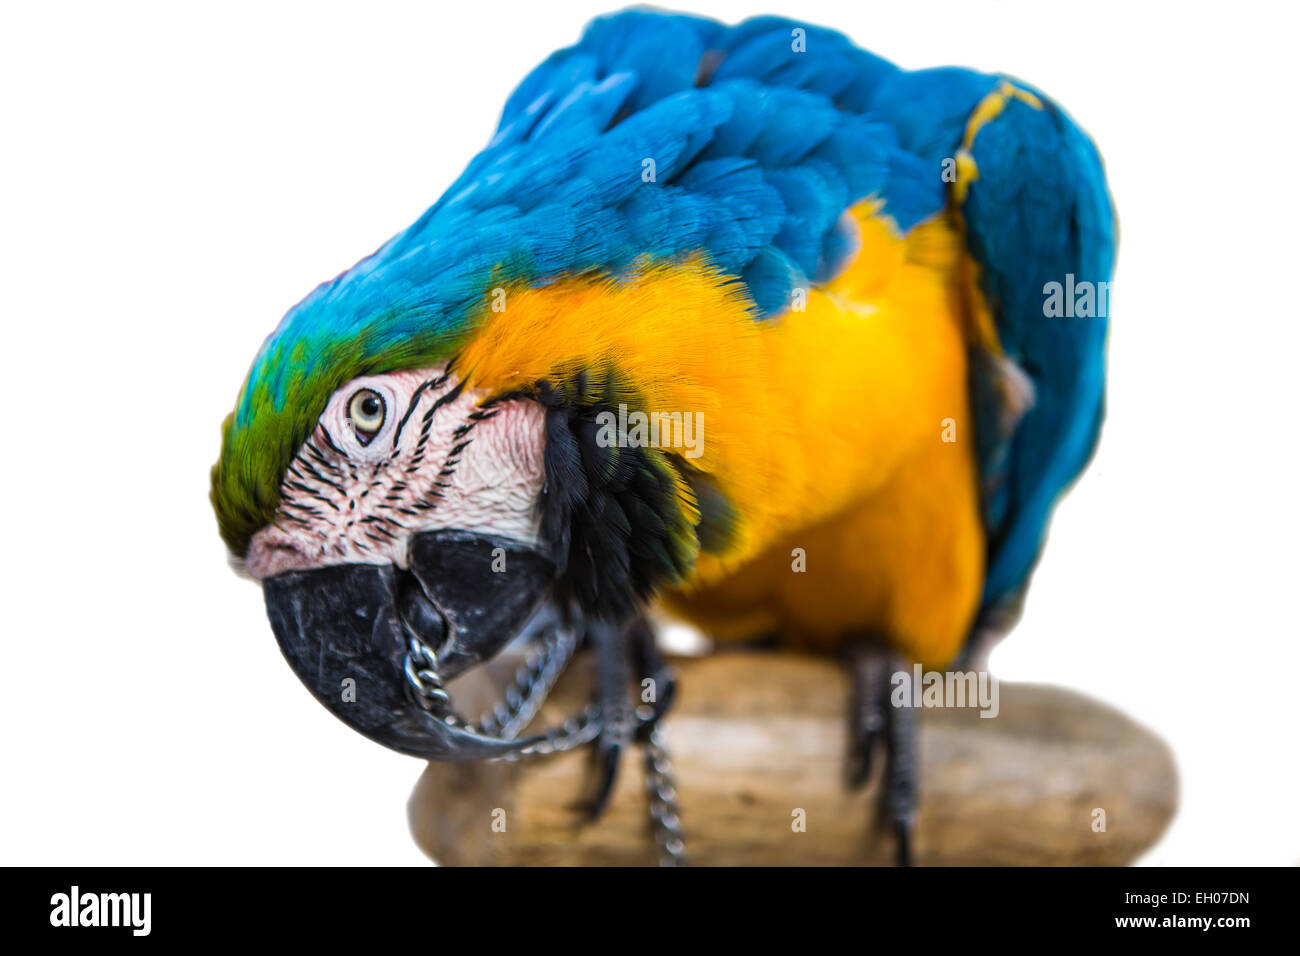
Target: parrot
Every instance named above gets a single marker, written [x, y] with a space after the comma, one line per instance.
[742, 324]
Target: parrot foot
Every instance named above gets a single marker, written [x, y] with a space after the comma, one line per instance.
[619, 652]
[613, 672]
[658, 685]
[876, 727]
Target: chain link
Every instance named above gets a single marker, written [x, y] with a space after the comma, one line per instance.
[665, 818]
[573, 733]
[421, 668]
[533, 683]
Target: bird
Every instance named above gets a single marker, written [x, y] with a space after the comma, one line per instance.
[738, 322]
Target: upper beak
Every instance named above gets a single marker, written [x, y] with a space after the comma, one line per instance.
[346, 631]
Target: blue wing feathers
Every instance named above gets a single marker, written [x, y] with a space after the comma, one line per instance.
[595, 113]
[1039, 212]
[928, 109]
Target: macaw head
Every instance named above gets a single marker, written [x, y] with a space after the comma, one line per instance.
[411, 510]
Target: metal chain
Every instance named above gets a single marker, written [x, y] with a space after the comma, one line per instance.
[421, 668]
[665, 818]
[573, 733]
[532, 684]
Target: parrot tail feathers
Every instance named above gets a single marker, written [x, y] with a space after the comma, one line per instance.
[1040, 228]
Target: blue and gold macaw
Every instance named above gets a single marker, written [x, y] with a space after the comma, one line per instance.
[742, 319]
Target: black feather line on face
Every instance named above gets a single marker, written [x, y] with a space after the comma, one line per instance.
[410, 409]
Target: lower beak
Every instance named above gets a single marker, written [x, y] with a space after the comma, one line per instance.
[347, 632]
[483, 588]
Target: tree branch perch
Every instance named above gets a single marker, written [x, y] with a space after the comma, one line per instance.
[756, 736]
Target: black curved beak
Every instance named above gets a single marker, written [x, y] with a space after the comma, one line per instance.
[346, 631]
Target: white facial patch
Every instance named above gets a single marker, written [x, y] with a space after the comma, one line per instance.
[356, 493]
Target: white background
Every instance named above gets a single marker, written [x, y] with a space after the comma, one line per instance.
[174, 179]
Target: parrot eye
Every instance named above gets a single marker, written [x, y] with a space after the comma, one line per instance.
[366, 411]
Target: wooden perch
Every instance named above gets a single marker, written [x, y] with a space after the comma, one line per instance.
[755, 736]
